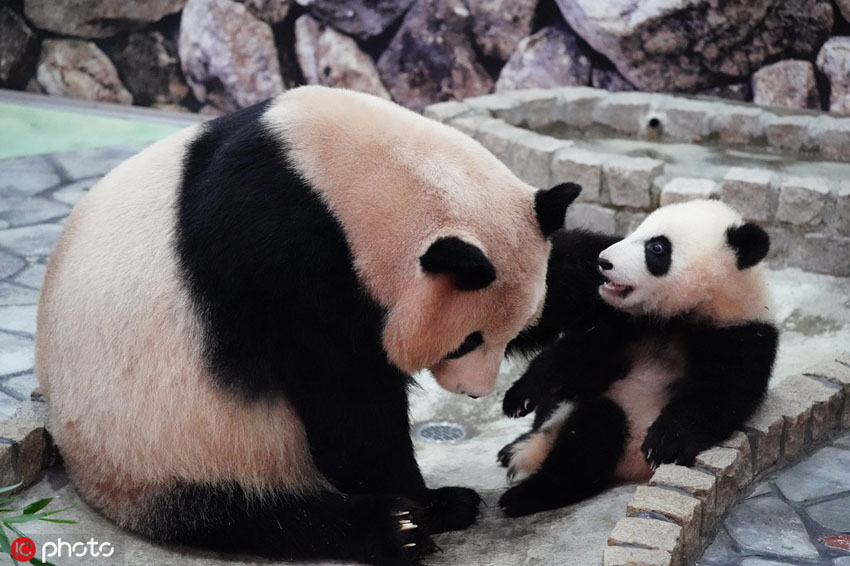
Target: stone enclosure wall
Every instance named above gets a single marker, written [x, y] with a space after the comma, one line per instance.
[808, 217]
[219, 55]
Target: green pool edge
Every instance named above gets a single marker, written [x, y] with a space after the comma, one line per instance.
[33, 130]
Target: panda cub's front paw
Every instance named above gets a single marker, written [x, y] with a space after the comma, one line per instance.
[670, 445]
[519, 400]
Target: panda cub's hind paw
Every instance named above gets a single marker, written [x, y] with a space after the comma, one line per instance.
[507, 452]
[664, 445]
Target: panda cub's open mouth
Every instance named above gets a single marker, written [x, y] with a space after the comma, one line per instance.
[616, 289]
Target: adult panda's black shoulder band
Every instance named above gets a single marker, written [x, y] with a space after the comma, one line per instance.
[551, 206]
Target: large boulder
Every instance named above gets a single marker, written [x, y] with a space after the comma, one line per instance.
[228, 55]
[689, 45]
[361, 18]
[97, 18]
[499, 25]
[79, 69]
[431, 58]
[609, 79]
[844, 8]
[18, 50]
[786, 84]
[149, 67]
[549, 58]
[834, 62]
[271, 11]
[331, 59]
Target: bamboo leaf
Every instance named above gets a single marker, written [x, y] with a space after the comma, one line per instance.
[37, 506]
[9, 488]
[63, 521]
[49, 513]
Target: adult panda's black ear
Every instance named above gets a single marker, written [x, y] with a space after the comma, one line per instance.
[551, 206]
[750, 243]
[466, 262]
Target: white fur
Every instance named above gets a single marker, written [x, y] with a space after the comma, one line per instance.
[703, 278]
[528, 455]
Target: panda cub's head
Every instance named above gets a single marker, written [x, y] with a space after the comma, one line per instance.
[697, 258]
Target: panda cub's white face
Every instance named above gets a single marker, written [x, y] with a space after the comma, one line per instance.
[680, 260]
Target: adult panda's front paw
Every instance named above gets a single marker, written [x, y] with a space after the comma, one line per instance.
[451, 508]
[408, 536]
[671, 444]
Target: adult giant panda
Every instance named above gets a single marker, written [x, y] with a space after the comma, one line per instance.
[666, 347]
[230, 319]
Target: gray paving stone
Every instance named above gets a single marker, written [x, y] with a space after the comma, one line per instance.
[845, 561]
[769, 525]
[93, 162]
[15, 353]
[843, 440]
[833, 514]
[21, 386]
[761, 562]
[30, 163]
[761, 489]
[17, 295]
[9, 264]
[8, 406]
[32, 210]
[31, 276]
[37, 240]
[825, 472]
[18, 318]
[26, 183]
[71, 194]
[721, 552]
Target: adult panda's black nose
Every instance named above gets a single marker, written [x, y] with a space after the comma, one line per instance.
[604, 264]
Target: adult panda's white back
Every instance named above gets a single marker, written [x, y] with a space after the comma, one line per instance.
[120, 355]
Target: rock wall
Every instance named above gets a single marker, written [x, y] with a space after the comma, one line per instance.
[218, 55]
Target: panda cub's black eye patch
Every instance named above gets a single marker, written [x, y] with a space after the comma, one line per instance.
[469, 343]
[659, 253]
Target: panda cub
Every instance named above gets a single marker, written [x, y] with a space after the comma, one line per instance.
[660, 345]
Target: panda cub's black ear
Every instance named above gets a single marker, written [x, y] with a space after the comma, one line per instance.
[750, 243]
[451, 255]
[551, 206]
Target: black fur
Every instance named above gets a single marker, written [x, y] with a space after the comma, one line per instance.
[551, 206]
[581, 463]
[726, 375]
[470, 267]
[469, 344]
[659, 255]
[271, 276]
[750, 243]
[572, 280]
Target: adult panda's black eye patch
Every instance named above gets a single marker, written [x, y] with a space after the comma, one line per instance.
[659, 254]
[469, 343]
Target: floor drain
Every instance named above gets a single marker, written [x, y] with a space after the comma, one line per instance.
[440, 432]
